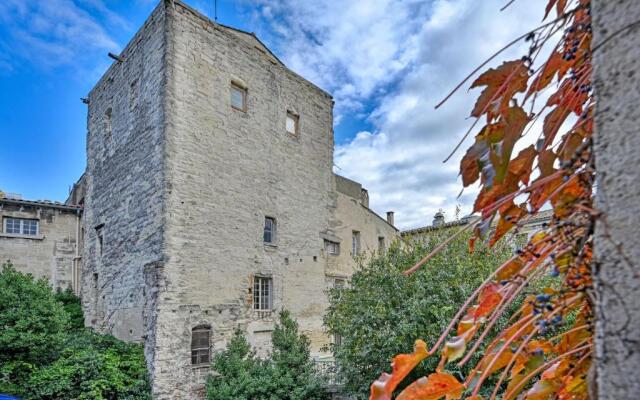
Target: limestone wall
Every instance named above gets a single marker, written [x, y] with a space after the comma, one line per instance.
[124, 188]
[49, 254]
[353, 216]
[617, 153]
[226, 170]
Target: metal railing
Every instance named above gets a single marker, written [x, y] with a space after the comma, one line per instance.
[328, 371]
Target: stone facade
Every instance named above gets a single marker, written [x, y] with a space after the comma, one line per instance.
[47, 249]
[616, 36]
[523, 232]
[179, 185]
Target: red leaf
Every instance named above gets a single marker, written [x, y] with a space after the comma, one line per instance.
[501, 84]
[434, 387]
[552, 123]
[489, 298]
[402, 364]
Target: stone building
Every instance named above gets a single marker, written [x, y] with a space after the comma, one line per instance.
[522, 233]
[41, 238]
[210, 198]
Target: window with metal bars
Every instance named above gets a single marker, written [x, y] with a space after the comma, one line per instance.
[200, 345]
[262, 293]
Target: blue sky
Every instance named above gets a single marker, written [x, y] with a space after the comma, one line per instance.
[386, 62]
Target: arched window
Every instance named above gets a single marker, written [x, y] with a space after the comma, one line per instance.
[200, 345]
[106, 122]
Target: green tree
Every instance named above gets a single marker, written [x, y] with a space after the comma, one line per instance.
[382, 311]
[72, 306]
[286, 375]
[46, 353]
[92, 367]
[33, 327]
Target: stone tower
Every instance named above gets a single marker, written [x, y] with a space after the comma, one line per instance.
[211, 201]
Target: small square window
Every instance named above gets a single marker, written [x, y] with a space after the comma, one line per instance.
[332, 247]
[269, 235]
[292, 123]
[262, 293]
[238, 97]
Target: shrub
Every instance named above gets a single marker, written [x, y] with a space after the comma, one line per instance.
[46, 353]
[95, 367]
[382, 311]
[34, 327]
[72, 306]
[286, 375]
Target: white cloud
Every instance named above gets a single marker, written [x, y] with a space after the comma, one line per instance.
[54, 33]
[416, 52]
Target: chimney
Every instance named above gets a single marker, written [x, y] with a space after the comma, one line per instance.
[438, 219]
[390, 218]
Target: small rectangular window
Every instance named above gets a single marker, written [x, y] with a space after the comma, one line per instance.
[337, 339]
[19, 226]
[100, 237]
[331, 247]
[269, 235]
[355, 243]
[339, 283]
[292, 123]
[262, 293]
[381, 244]
[238, 97]
[200, 346]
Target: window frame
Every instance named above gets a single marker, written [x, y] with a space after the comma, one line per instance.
[262, 301]
[273, 232]
[355, 243]
[200, 354]
[296, 123]
[21, 226]
[243, 92]
[381, 243]
[331, 247]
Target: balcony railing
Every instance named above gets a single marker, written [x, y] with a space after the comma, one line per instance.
[328, 371]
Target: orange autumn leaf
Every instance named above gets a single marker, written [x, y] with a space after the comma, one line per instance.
[502, 84]
[489, 299]
[433, 387]
[401, 366]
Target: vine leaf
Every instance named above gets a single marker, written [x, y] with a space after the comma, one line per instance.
[502, 84]
[382, 389]
[433, 387]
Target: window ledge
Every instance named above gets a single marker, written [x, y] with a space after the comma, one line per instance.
[270, 245]
[200, 366]
[20, 236]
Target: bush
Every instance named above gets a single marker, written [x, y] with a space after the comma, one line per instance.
[46, 353]
[72, 306]
[93, 367]
[383, 312]
[34, 327]
[286, 375]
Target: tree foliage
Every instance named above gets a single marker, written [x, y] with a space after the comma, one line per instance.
[287, 374]
[545, 352]
[383, 310]
[33, 327]
[46, 353]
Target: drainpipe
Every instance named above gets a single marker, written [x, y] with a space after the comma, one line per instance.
[76, 258]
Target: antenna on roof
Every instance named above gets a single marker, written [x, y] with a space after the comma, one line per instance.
[215, 10]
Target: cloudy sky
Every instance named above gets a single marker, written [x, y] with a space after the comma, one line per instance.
[387, 63]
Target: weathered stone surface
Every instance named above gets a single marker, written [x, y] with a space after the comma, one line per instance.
[179, 184]
[617, 148]
[50, 254]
